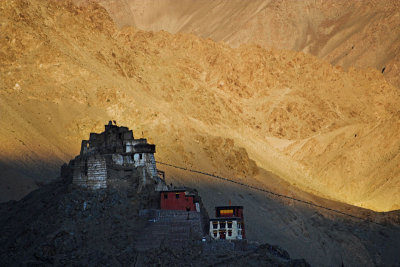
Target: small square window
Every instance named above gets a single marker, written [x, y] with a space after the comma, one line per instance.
[222, 225]
[215, 225]
[229, 224]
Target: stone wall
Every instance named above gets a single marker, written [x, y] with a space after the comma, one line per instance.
[173, 228]
[90, 172]
[114, 148]
[97, 172]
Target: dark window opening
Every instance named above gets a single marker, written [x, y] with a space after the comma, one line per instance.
[187, 209]
[140, 156]
[229, 224]
[132, 157]
[222, 234]
[222, 225]
[177, 195]
[215, 233]
[230, 233]
[165, 196]
[120, 136]
[215, 225]
[86, 168]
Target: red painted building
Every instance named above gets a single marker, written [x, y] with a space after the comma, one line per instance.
[179, 199]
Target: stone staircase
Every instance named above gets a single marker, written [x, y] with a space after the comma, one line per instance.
[172, 228]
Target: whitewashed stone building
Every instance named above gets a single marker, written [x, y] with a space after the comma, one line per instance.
[112, 158]
[228, 224]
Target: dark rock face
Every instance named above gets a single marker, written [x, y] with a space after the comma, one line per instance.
[200, 254]
[63, 224]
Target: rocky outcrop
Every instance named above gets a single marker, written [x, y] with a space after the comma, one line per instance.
[61, 224]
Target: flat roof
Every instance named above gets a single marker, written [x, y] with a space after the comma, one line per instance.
[174, 190]
[188, 194]
[228, 207]
[226, 219]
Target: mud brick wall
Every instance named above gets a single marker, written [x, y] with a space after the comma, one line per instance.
[173, 228]
[91, 172]
[97, 173]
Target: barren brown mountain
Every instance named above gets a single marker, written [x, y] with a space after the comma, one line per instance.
[282, 120]
[345, 33]
[322, 129]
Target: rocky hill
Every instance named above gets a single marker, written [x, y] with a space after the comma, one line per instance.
[61, 224]
[232, 111]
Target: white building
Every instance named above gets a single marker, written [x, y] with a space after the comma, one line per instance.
[226, 228]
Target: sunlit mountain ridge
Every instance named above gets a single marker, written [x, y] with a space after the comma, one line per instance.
[67, 70]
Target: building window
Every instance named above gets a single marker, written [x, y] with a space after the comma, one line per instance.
[140, 156]
[239, 225]
[229, 224]
[215, 233]
[215, 225]
[229, 232]
[222, 234]
[165, 195]
[86, 168]
[222, 225]
[177, 195]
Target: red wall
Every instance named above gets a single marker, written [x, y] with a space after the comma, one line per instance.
[237, 212]
[172, 203]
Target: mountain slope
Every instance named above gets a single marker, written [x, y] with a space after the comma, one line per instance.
[67, 70]
[345, 33]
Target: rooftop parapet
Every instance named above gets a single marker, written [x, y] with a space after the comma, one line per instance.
[115, 139]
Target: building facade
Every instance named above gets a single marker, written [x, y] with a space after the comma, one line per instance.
[226, 228]
[116, 150]
[179, 199]
[228, 224]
